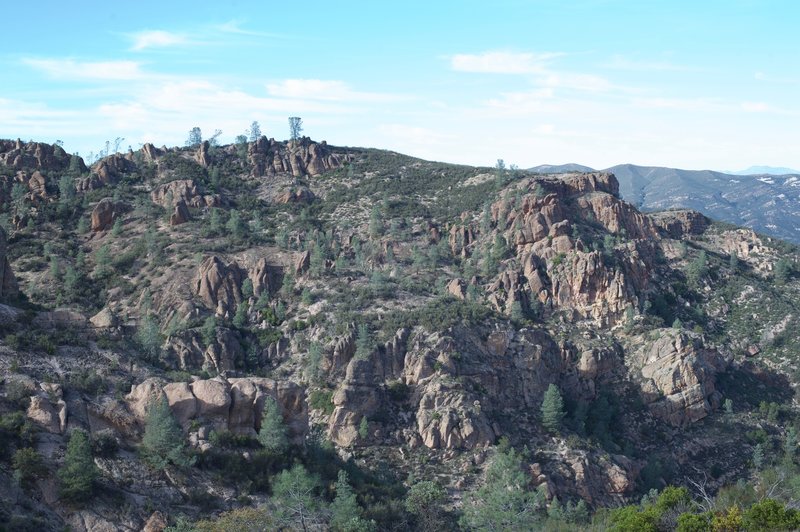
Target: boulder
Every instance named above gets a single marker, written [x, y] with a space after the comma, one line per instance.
[104, 214]
[104, 319]
[180, 215]
[456, 288]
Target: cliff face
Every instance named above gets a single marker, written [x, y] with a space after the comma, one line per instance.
[297, 157]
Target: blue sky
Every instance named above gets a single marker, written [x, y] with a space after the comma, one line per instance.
[696, 85]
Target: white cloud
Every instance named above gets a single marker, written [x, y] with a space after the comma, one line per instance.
[502, 62]
[328, 90]
[755, 107]
[88, 70]
[619, 62]
[156, 39]
[579, 82]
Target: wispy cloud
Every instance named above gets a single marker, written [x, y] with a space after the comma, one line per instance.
[756, 107]
[330, 90]
[620, 62]
[70, 69]
[156, 39]
[502, 62]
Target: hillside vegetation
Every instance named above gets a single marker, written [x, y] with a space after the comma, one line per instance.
[290, 335]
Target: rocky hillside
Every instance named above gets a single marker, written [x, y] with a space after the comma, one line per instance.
[766, 203]
[400, 320]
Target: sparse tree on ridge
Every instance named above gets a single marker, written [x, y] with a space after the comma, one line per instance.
[295, 127]
[195, 137]
[254, 133]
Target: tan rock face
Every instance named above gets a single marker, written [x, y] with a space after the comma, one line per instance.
[300, 158]
[110, 169]
[104, 214]
[187, 351]
[37, 186]
[558, 271]
[34, 155]
[180, 215]
[265, 277]
[232, 404]
[442, 371]
[302, 262]
[202, 157]
[219, 285]
[457, 288]
[677, 375]
[679, 223]
[296, 195]
[169, 195]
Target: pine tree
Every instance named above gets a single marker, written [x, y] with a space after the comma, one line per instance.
[272, 434]
[345, 511]
[295, 501]
[364, 345]
[163, 442]
[552, 409]
[504, 502]
[149, 337]
[78, 474]
[209, 330]
[758, 457]
[240, 318]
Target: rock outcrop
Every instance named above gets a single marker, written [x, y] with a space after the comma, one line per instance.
[679, 223]
[180, 215]
[35, 155]
[442, 373]
[169, 195]
[228, 404]
[48, 409]
[298, 157]
[677, 375]
[113, 167]
[104, 214]
[219, 285]
[187, 350]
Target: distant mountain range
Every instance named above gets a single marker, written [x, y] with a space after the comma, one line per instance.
[767, 203]
[771, 170]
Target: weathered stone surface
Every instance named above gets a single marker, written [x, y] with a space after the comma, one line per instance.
[156, 523]
[299, 157]
[677, 375]
[104, 214]
[35, 155]
[302, 262]
[180, 215]
[295, 195]
[265, 277]
[202, 157]
[232, 404]
[219, 285]
[104, 319]
[37, 186]
[457, 288]
[679, 223]
[111, 168]
[182, 401]
[169, 195]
